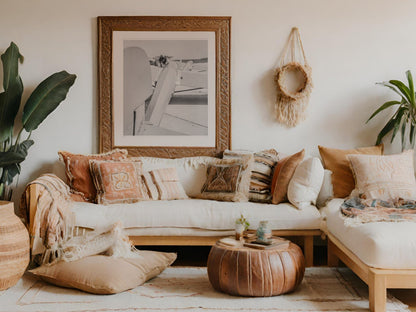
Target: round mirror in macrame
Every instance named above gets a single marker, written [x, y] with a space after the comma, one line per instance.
[293, 83]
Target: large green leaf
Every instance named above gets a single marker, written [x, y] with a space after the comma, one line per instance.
[393, 88]
[45, 98]
[10, 160]
[398, 120]
[10, 60]
[403, 134]
[411, 87]
[383, 107]
[16, 154]
[9, 172]
[386, 129]
[403, 89]
[13, 89]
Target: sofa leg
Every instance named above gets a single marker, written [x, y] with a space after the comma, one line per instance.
[308, 250]
[377, 292]
[333, 260]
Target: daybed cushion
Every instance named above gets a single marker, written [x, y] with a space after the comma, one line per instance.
[195, 213]
[385, 245]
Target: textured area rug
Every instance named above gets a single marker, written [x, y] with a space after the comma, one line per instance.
[188, 289]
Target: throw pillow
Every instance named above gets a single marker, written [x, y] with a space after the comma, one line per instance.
[228, 179]
[261, 173]
[118, 181]
[106, 275]
[306, 183]
[77, 169]
[283, 172]
[384, 177]
[327, 192]
[336, 161]
[164, 184]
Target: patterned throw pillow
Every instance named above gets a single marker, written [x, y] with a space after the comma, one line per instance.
[283, 173]
[336, 161]
[228, 179]
[384, 177]
[261, 173]
[77, 169]
[118, 181]
[164, 184]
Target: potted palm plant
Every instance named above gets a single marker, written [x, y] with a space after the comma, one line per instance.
[404, 117]
[15, 137]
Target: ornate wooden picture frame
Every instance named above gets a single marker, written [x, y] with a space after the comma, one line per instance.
[164, 85]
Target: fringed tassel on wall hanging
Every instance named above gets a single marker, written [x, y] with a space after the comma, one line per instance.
[293, 81]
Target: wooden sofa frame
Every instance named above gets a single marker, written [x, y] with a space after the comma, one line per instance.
[306, 236]
[378, 280]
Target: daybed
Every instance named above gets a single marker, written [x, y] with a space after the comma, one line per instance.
[190, 221]
[382, 254]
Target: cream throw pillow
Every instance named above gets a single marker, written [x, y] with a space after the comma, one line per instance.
[306, 183]
[327, 191]
[384, 177]
[106, 275]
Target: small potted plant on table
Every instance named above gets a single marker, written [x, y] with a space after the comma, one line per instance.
[241, 225]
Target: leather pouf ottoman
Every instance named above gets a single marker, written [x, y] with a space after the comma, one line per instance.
[245, 271]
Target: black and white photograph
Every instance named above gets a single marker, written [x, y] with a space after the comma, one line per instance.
[165, 87]
[167, 94]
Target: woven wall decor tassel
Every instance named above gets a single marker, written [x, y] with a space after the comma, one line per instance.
[293, 80]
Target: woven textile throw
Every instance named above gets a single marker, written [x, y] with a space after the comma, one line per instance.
[375, 210]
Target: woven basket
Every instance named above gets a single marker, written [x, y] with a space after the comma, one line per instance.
[14, 246]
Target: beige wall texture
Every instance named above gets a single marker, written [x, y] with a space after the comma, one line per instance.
[350, 44]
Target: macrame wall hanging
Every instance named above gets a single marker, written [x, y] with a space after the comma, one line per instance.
[293, 81]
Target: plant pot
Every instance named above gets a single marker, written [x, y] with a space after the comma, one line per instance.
[14, 246]
[239, 230]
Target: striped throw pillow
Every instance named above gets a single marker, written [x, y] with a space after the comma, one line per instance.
[261, 172]
[164, 184]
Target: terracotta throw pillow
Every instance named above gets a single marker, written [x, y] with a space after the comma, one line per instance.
[164, 184]
[336, 161]
[77, 169]
[283, 172]
[228, 179]
[384, 177]
[118, 181]
[106, 275]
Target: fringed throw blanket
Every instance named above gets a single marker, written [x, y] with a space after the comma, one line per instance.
[51, 220]
[359, 210]
[51, 227]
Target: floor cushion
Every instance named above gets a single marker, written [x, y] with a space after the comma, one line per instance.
[106, 275]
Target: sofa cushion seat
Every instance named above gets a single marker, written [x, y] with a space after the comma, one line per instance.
[195, 214]
[384, 245]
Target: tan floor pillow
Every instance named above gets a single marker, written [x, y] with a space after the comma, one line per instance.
[106, 275]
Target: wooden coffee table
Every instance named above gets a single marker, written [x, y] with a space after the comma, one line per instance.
[246, 271]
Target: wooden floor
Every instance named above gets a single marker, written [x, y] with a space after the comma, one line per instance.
[197, 256]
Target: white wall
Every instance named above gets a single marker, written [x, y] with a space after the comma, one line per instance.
[350, 45]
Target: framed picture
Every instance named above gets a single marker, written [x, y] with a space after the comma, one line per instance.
[164, 85]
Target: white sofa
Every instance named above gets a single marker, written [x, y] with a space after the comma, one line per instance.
[194, 221]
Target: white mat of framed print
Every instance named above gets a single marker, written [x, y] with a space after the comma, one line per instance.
[164, 88]
[164, 85]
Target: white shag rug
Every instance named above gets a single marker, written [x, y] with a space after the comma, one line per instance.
[188, 289]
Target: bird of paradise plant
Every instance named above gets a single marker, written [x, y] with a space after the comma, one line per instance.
[42, 101]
